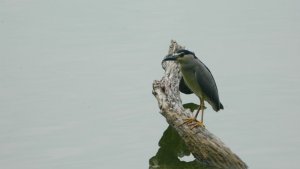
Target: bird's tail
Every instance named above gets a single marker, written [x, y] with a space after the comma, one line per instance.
[221, 106]
[217, 107]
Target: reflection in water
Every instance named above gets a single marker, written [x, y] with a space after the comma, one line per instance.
[171, 149]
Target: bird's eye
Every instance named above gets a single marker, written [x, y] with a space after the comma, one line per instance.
[181, 54]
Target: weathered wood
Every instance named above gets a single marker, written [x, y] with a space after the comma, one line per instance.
[205, 147]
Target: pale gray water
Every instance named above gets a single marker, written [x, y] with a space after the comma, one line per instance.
[76, 76]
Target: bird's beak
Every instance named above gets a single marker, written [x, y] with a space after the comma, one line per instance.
[170, 57]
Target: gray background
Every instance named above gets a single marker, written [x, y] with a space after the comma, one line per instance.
[76, 76]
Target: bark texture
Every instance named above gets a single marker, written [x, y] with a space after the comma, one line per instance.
[205, 146]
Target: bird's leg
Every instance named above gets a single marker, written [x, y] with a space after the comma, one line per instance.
[194, 120]
[200, 108]
[202, 114]
[199, 123]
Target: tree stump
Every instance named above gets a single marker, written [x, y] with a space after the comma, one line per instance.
[205, 146]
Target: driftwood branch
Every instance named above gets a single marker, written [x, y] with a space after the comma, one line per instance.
[205, 147]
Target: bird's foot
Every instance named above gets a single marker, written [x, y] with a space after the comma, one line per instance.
[189, 120]
[193, 122]
[197, 124]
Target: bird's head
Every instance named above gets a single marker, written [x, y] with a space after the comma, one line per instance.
[181, 56]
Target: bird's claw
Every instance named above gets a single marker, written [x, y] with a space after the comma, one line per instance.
[196, 124]
[189, 120]
[192, 122]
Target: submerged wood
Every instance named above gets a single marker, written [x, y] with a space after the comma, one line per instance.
[206, 147]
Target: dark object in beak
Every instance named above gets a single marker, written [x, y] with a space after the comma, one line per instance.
[170, 57]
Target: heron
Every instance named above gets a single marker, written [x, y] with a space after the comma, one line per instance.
[197, 79]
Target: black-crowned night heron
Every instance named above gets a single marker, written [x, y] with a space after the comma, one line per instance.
[198, 79]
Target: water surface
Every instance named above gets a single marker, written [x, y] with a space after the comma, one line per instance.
[76, 76]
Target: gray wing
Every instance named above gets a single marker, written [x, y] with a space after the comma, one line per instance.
[208, 85]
